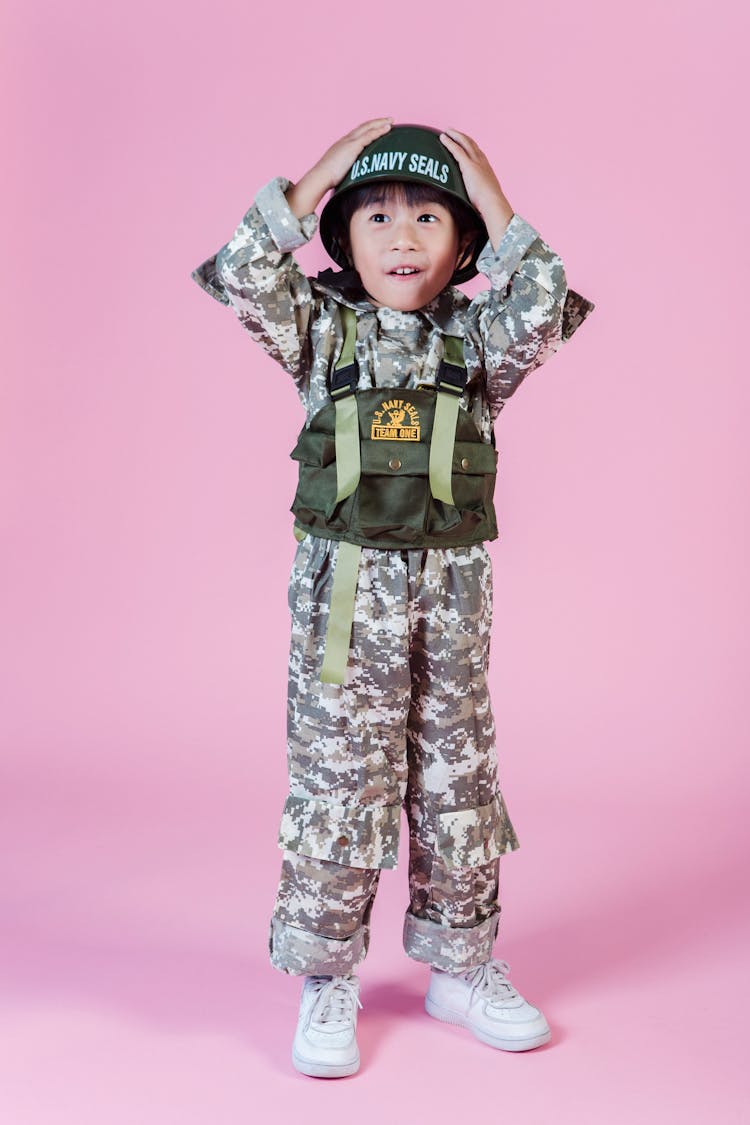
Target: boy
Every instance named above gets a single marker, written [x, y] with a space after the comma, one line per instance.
[402, 378]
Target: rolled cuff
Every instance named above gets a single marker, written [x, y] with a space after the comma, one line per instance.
[500, 265]
[357, 836]
[575, 311]
[295, 951]
[450, 948]
[207, 276]
[287, 231]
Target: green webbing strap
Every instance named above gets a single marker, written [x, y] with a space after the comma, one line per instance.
[348, 465]
[349, 321]
[347, 447]
[450, 388]
[341, 614]
[453, 352]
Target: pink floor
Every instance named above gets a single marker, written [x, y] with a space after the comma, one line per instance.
[137, 989]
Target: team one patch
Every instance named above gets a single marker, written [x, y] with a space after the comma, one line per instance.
[396, 420]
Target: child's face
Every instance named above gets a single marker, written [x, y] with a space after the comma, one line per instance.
[421, 238]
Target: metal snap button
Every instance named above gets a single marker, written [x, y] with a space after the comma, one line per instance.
[343, 840]
[465, 463]
[394, 463]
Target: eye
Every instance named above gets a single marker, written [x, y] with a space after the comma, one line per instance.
[427, 217]
[378, 217]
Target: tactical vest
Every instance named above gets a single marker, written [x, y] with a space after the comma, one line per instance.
[390, 468]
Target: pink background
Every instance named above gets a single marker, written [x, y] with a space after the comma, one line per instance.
[146, 545]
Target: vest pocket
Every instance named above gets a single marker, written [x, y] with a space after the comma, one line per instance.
[395, 507]
[473, 472]
[392, 499]
[318, 484]
[321, 484]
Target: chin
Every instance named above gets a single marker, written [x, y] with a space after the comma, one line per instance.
[403, 302]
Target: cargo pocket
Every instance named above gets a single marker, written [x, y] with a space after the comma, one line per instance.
[392, 499]
[472, 837]
[356, 836]
[314, 503]
[473, 475]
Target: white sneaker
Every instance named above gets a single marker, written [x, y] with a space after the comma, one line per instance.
[325, 1044]
[484, 1000]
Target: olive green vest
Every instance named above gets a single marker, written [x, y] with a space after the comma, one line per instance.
[393, 469]
[392, 505]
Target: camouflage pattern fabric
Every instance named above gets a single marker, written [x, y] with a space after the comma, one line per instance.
[509, 329]
[411, 727]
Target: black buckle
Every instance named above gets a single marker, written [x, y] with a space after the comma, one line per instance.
[344, 381]
[451, 378]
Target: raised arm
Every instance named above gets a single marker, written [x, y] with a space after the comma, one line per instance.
[528, 311]
[255, 272]
[522, 319]
[256, 275]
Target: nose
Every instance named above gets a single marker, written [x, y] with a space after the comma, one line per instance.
[405, 233]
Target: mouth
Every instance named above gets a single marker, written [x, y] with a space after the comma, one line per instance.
[405, 272]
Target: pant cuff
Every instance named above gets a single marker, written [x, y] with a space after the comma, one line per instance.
[297, 951]
[451, 948]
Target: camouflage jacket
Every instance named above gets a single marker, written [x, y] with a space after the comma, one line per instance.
[510, 329]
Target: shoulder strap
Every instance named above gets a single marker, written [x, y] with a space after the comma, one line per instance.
[343, 384]
[450, 383]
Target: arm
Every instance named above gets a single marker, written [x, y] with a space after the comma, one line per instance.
[255, 272]
[528, 312]
[256, 275]
[520, 321]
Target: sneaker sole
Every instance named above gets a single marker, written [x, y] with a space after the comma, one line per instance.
[448, 1016]
[316, 1069]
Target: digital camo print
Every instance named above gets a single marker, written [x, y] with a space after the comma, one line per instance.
[321, 918]
[412, 728]
[509, 329]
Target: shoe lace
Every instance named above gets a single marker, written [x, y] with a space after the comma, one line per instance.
[490, 980]
[334, 999]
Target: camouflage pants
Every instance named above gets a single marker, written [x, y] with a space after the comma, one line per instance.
[410, 728]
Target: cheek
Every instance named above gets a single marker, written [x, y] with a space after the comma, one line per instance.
[361, 262]
[357, 246]
[450, 259]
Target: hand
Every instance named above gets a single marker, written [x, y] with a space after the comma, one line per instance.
[338, 159]
[482, 185]
[333, 165]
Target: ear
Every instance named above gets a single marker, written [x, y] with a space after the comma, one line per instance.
[466, 249]
[344, 244]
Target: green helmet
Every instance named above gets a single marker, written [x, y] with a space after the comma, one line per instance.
[406, 153]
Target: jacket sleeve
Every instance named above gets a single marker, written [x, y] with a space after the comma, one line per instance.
[528, 312]
[256, 275]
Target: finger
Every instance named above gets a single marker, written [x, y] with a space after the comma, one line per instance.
[465, 141]
[374, 124]
[454, 147]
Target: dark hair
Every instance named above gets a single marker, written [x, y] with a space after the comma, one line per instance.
[412, 194]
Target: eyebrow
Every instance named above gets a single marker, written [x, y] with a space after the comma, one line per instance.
[385, 203]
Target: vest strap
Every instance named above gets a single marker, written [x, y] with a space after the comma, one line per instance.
[344, 382]
[450, 384]
[348, 465]
[341, 613]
